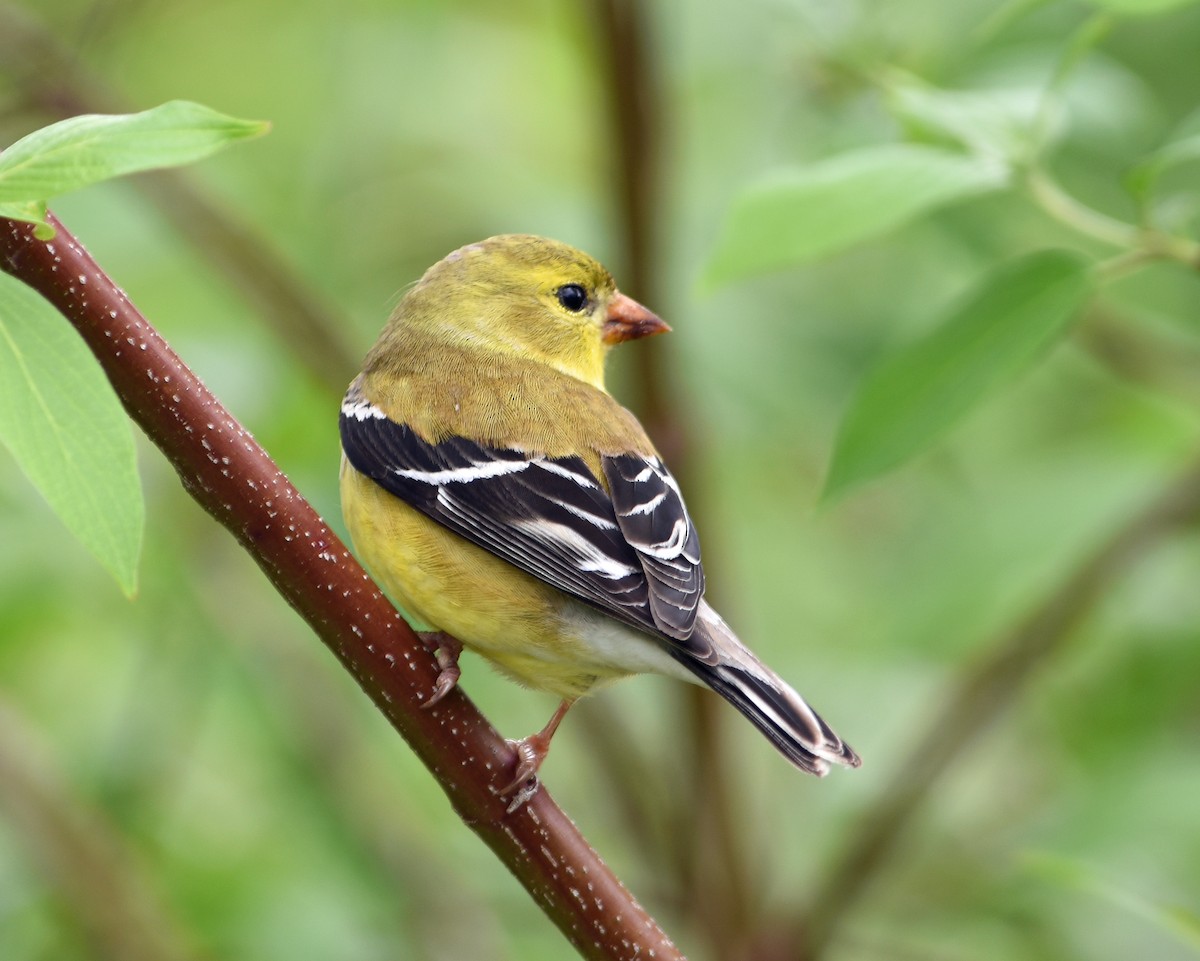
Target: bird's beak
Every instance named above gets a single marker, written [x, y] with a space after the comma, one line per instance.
[626, 319]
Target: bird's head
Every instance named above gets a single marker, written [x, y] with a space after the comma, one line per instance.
[537, 297]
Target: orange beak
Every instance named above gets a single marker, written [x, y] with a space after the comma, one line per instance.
[628, 320]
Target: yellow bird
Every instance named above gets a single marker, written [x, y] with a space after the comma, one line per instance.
[496, 490]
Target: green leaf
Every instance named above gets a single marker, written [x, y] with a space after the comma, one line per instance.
[31, 210]
[1142, 178]
[84, 150]
[994, 123]
[801, 214]
[1080, 43]
[1182, 922]
[1003, 16]
[1140, 8]
[67, 430]
[918, 392]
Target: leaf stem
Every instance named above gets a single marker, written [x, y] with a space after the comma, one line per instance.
[1067, 210]
[1114, 268]
[1141, 244]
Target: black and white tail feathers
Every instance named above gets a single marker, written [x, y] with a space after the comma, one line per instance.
[765, 699]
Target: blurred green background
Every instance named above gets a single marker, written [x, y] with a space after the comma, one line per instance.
[199, 760]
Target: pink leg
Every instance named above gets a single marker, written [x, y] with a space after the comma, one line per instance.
[445, 651]
[531, 752]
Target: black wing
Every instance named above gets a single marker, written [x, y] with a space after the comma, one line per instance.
[656, 524]
[634, 555]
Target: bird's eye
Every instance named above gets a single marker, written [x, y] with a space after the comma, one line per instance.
[573, 297]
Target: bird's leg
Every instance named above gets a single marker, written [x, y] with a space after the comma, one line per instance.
[531, 751]
[445, 651]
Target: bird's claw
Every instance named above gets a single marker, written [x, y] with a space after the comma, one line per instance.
[446, 681]
[531, 752]
[524, 783]
[445, 651]
[529, 759]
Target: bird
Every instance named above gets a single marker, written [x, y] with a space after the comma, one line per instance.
[496, 490]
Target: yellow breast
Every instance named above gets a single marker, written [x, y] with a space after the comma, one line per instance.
[515, 620]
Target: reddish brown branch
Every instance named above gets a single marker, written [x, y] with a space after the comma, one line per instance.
[233, 479]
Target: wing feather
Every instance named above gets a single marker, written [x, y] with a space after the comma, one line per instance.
[656, 524]
[547, 516]
[633, 553]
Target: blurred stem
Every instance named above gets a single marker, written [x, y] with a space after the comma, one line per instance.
[1145, 357]
[980, 694]
[1067, 210]
[234, 479]
[636, 117]
[303, 324]
[637, 121]
[1141, 245]
[81, 856]
[1117, 267]
[54, 83]
[1092, 31]
[1002, 16]
[616, 747]
[715, 871]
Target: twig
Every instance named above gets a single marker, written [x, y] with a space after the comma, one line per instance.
[1066, 209]
[980, 695]
[1139, 244]
[233, 479]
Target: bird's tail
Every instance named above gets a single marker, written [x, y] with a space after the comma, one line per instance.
[730, 669]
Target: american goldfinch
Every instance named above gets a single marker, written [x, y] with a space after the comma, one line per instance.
[495, 489]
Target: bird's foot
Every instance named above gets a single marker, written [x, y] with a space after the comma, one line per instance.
[445, 651]
[531, 752]
[525, 781]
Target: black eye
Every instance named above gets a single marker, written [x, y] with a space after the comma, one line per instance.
[573, 297]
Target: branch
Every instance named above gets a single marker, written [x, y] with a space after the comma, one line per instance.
[233, 479]
[979, 696]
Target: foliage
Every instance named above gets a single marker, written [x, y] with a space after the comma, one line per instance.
[75, 445]
[801, 215]
[86, 150]
[58, 415]
[1013, 315]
